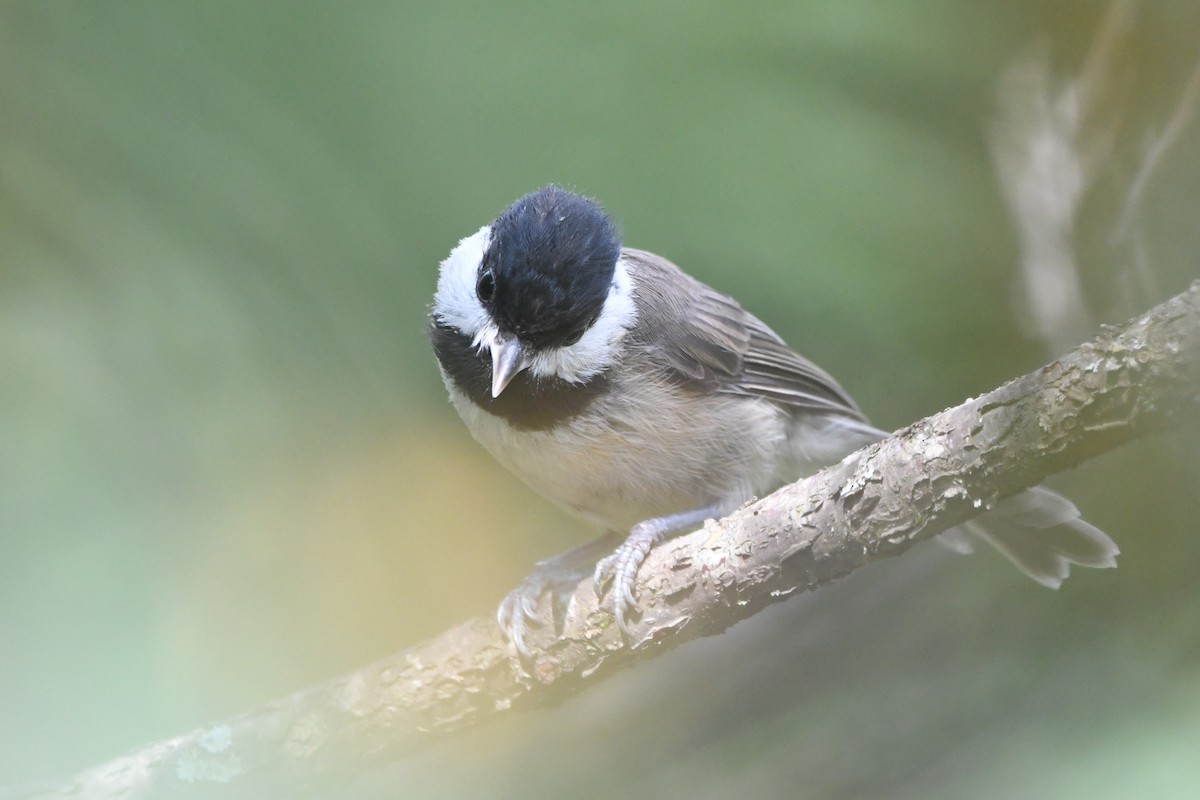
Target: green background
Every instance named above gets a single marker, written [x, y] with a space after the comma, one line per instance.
[228, 469]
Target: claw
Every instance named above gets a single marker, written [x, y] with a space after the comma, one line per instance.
[601, 576]
[557, 577]
[619, 569]
[517, 637]
[514, 616]
[616, 571]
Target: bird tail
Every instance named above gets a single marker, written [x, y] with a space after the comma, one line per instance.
[1043, 534]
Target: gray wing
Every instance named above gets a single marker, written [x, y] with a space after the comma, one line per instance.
[708, 342]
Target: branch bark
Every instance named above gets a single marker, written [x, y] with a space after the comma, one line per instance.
[1128, 382]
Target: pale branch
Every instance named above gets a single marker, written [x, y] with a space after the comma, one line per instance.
[1129, 381]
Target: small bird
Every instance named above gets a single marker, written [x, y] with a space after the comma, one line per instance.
[641, 400]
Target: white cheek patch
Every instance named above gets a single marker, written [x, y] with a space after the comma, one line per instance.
[456, 303]
[598, 348]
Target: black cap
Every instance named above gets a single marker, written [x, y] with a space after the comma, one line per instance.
[548, 267]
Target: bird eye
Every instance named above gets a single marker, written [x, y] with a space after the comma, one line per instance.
[573, 338]
[486, 286]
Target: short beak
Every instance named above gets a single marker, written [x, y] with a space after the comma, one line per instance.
[508, 358]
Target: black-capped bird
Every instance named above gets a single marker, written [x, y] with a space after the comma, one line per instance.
[641, 400]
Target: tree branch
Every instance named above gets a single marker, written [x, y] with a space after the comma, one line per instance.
[1126, 383]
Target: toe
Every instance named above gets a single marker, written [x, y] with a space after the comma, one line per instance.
[603, 574]
[516, 635]
[514, 616]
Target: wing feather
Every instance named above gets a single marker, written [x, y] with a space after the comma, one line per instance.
[705, 340]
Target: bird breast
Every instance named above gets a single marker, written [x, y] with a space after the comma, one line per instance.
[642, 451]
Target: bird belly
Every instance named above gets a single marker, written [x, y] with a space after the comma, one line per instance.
[654, 452]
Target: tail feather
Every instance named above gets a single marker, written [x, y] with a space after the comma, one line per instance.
[1036, 508]
[956, 539]
[1043, 535]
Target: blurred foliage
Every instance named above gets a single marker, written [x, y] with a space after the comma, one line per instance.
[227, 468]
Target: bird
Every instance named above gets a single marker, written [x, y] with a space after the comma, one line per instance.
[645, 402]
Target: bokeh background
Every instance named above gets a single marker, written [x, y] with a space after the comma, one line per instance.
[228, 469]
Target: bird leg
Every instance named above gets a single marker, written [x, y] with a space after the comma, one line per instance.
[557, 576]
[619, 569]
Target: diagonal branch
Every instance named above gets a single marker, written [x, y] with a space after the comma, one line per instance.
[1128, 382]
